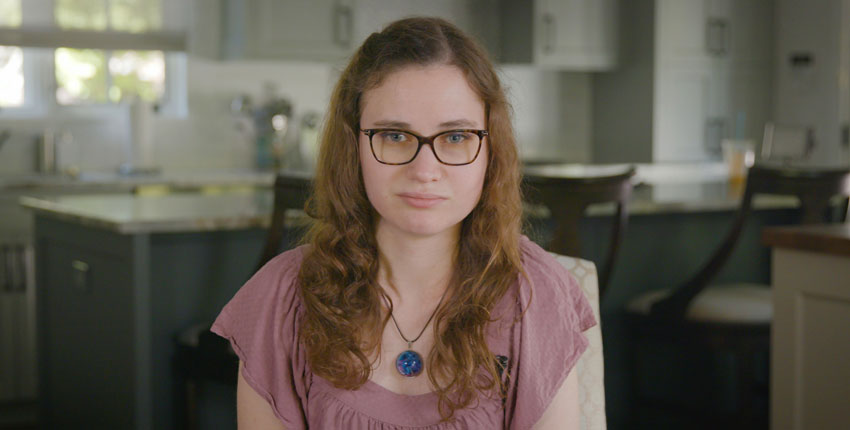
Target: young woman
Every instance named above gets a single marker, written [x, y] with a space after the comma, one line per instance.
[416, 302]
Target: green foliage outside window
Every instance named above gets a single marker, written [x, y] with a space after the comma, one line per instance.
[137, 72]
[81, 14]
[81, 75]
[93, 76]
[10, 13]
[135, 16]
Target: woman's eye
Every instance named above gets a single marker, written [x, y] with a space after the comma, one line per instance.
[393, 137]
[456, 138]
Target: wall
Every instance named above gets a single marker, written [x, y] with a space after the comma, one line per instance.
[622, 98]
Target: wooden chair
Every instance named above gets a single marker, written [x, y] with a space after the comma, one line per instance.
[731, 318]
[291, 191]
[203, 355]
[567, 198]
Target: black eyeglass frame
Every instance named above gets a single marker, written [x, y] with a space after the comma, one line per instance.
[426, 141]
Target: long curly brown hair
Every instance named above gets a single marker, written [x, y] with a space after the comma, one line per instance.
[343, 318]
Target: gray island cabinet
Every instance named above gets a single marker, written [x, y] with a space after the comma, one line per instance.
[118, 277]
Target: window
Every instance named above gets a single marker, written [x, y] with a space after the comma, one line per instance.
[11, 58]
[101, 52]
[100, 76]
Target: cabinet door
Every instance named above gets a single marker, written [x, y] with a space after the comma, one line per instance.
[9, 332]
[88, 354]
[294, 29]
[683, 126]
[575, 34]
[683, 31]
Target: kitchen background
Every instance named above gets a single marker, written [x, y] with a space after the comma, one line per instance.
[641, 81]
[591, 81]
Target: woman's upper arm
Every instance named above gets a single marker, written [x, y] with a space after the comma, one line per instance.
[253, 412]
[563, 412]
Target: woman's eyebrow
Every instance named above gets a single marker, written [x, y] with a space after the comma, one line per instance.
[392, 124]
[448, 124]
[457, 123]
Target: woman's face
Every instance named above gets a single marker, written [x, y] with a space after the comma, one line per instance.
[423, 197]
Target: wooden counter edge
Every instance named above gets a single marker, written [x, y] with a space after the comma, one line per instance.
[824, 238]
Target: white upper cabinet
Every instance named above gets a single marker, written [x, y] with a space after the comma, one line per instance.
[560, 34]
[578, 35]
[319, 30]
[575, 34]
[315, 30]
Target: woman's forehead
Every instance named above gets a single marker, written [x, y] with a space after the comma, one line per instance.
[436, 93]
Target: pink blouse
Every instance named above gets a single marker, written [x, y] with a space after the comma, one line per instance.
[262, 320]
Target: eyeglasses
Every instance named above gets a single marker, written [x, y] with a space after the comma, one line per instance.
[452, 147]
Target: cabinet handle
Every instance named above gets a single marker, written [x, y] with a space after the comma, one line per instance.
[716, 36]
[5, 277]
[20, 269]
[715, 131]
[13, 268]
[548, 33]
[80, 276]
[342, 18]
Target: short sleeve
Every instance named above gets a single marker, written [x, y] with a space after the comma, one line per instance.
[550, 339]
[261, 323]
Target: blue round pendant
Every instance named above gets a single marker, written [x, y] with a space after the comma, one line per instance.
[409, 363]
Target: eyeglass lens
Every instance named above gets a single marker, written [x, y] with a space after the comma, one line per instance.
[453, 147]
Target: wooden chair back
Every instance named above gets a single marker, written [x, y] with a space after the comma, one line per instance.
[567, 199]
[815, 188]
[291, 190]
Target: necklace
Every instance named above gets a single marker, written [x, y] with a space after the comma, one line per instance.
[409, 362]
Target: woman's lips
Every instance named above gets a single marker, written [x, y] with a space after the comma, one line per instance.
[421, 201]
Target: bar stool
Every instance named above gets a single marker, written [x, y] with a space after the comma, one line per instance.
[731, 319]
[567, 191]
[204, 356]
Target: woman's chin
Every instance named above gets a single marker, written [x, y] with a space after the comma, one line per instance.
[425, 229]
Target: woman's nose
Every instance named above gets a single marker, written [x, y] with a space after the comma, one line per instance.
[426, 167]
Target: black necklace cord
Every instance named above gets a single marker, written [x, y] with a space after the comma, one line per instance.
[410, 342]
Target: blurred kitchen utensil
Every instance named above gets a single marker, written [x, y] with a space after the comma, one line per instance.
[309, 139]
[268, 126]
[141, 152]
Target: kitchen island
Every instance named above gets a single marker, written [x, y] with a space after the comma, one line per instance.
[119, 275]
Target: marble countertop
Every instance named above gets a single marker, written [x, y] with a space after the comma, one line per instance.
[228, 210]
[179, 212]
[115, 182]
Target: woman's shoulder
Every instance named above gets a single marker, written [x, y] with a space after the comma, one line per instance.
[279, 274]
[540, 265]
[548, 288]
[261, 323]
